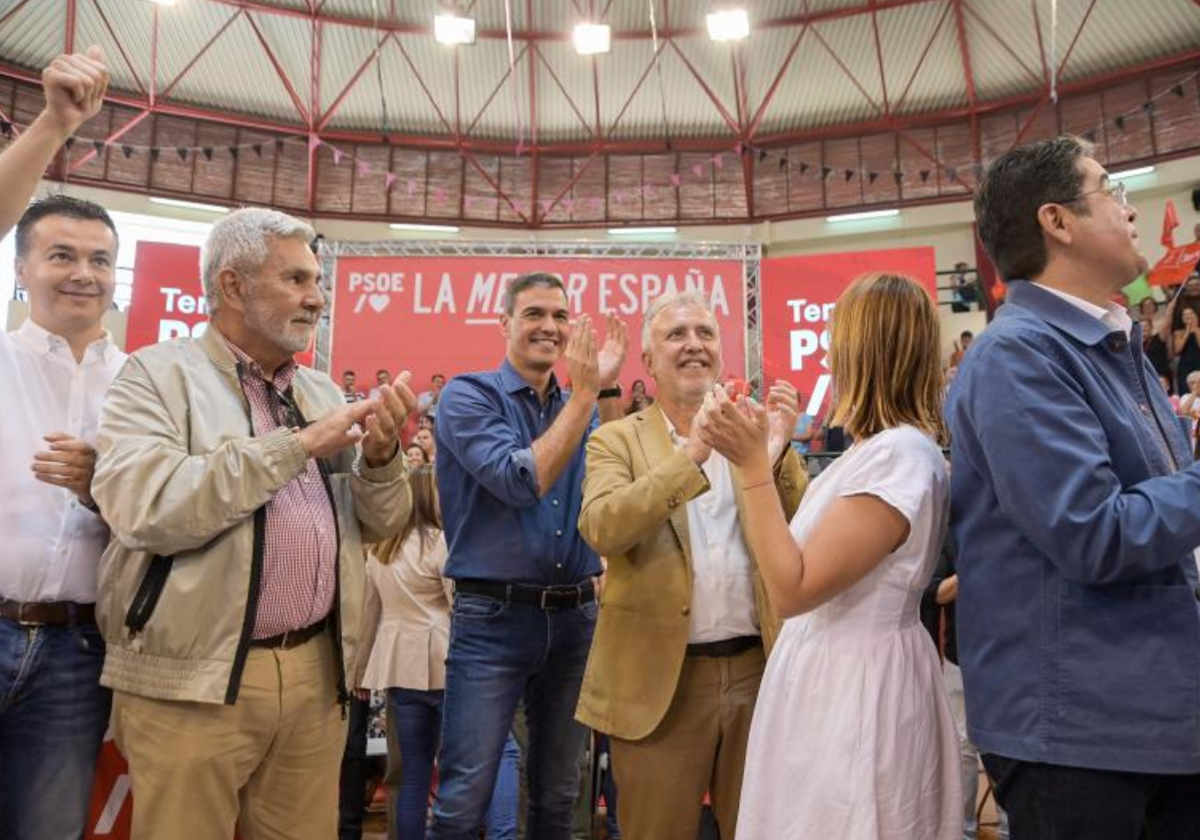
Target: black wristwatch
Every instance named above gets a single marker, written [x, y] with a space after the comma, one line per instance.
[609, 393]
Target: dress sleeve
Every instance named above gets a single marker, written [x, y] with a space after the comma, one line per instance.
[901, 467]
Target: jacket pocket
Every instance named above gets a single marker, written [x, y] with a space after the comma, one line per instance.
[148, 592]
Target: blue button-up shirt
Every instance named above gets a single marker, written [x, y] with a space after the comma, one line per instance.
[1076, 506]
[496, 525]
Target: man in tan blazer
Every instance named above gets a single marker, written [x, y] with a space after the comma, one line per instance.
[685, 624]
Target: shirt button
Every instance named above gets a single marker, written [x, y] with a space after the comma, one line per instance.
[686, 611]
[1145, 409]
[559, 565]
[558, 533]
[554, 502]
[673, 502]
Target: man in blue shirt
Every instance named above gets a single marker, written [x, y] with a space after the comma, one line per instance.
[1075, 507]
[510, 471]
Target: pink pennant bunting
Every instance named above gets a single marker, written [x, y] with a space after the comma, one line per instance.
[737, 147]
[338, 154]
[389, 178]
[619, 195]
[568, 204]
[363, 167]
[547, 204]
[314, 141]
[719, 161]
[676, 180]
[439, 194]
[698, 170]
[412, 187]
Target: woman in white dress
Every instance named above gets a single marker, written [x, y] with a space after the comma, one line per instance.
[853, 737]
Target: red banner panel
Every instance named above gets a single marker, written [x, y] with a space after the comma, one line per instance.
[1176, 265]
[442, 314]
[798, 298]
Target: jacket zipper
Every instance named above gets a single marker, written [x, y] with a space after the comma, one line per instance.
[154, 581]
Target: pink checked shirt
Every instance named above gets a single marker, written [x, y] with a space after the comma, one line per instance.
[299, 574]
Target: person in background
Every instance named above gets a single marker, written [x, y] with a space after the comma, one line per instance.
[1154, 342]
[1074, 512]
[807, 429]
[1189, 407]
[427, 400]
[425, 439]
[966, 292]
[54, 371]
[383, 377]
[406, 632]
[416, 456]
[350, 392]
[637, 390]
[960, 348]
[1186, 349]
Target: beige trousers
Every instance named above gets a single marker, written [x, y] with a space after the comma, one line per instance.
[267, 765]
[699, 747]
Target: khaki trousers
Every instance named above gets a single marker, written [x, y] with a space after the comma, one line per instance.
[700, 746]
[267, 765]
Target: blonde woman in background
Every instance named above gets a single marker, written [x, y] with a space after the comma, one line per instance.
[407, 631]
[853, 736]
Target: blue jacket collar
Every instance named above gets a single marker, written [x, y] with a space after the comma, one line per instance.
[514, 382]
[1025, 294]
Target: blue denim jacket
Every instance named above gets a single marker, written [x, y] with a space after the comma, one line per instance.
[1076, 506]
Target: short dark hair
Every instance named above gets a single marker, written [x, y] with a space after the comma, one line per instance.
[529, 281]
[967, 334]
[1015, 186]
[60, 205]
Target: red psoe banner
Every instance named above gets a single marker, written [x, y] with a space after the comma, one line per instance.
[798, 298]
[442, 314]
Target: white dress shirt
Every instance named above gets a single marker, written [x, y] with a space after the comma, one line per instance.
[723, 605]
[50, 545]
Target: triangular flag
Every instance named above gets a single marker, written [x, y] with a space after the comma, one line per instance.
[698, 170]
[1148, 107]
[1120, 121]
[783, 164]
[676, 180]
[98, 145]
[338, 154]
[1178, 91]
[207, 151]
[6, 128]
[411, 187]
[568, 204]
[826, 171]
[803, 167]
[898, 175]
[849, 175]
[1170, 222]
[762, 155]
[871, 176]
[182, 152]
[719, 161]
[737, 147]
[127, 151]
[279, 144]
[951, 173]
[925, 173]
[154, 152]
[439, 193]
[258, 147]
[547, 204]
[619, 195]
[389, 178]
[234, 151]
[363, 167]
[314, 141]
[70, 142]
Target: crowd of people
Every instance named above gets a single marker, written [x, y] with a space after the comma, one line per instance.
[218, 549]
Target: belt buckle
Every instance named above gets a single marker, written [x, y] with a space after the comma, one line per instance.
[543, 606]
[22, 621]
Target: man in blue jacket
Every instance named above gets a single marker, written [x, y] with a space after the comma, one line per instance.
[1076, 507]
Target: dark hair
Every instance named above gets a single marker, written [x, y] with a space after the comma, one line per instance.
[441, 376]
[967, 334]
[1015, 186]
[60, 205]
[538, 279]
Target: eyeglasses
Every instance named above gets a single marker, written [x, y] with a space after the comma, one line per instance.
[1119, 191]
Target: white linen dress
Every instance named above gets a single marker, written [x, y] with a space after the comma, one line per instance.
[853, 736]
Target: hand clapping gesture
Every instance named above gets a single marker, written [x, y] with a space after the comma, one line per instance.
[739, 431]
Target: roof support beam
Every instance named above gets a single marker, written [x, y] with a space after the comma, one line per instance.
[921, 60]
[204, 49]
[964, 51]
[279, 71]
[120, 47]
[708, 91]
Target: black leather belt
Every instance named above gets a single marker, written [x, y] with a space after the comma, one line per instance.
[292, 638]
[543, 597]
[725, 647]
[56, 613]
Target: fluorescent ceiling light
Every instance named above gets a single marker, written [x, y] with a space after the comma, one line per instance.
[643, 231]
[424, 228]
[189, 205]
[1130, 173]
[867, 214]
[592, 38]
[453, 30]
[730, 25]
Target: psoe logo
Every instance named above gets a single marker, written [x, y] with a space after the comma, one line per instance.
[374, 289]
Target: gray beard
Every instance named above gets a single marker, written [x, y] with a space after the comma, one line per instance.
[294, 338]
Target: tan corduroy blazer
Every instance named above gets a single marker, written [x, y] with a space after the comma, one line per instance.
[635, 495]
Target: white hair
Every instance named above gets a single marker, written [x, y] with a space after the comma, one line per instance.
[1192, 377]
[672, 300]
[239, 241]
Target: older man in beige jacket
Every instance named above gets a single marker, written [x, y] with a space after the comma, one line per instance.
[685, 624]
[230, 595]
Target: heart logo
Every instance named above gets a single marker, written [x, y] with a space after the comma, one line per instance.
[379, 302]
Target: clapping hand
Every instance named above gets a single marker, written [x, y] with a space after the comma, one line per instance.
[612, 355]
[783, 407]
[739, 431]
[390, 409]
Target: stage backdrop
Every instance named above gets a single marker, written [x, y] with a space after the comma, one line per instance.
[798, 296]
[441, 314]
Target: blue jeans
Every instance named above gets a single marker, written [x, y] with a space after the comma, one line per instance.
[501, 654]
[417, 716]
[53, 714]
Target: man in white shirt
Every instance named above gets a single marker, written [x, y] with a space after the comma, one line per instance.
[685, 627]
[54, 370]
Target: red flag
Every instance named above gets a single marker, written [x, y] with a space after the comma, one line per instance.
[1170, 222]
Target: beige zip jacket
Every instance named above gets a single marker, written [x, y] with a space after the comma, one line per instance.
[183, 484]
